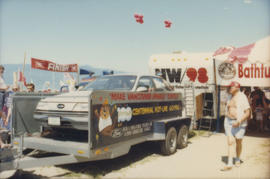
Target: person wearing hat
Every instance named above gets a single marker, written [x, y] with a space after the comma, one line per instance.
[236, 115]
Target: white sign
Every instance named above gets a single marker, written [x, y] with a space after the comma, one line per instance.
[55, 121]
[247, 74]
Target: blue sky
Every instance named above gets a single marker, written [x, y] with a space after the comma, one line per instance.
[104, 34]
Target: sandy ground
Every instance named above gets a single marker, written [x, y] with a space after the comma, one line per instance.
[203, 158]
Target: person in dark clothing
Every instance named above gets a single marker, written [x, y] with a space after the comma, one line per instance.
[259, 100]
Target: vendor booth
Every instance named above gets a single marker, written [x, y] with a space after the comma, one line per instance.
[192, 74]
[206, 75]
[249, 65]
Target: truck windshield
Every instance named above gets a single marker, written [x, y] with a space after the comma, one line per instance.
[112, 83]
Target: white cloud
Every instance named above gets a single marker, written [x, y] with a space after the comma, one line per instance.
[247, 1]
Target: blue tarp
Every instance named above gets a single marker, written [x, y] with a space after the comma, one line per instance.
[84, 72]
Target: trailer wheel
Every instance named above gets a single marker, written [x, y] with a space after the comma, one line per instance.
[168, 146]
[182, 138]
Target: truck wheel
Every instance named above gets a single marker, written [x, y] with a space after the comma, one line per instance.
[182, 138]
[168, 146]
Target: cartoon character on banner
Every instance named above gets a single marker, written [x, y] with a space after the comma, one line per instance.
[106, 118]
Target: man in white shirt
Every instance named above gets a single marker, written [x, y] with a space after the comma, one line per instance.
[237, 113]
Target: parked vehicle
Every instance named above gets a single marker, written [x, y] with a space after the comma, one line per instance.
[71, 109]
[112, 113]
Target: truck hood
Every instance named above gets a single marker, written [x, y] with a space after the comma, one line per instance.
[71, 101]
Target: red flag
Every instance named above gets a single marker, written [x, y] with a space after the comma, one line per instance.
[22, 78]
[51, 66]
[223, 50]
[241, 54]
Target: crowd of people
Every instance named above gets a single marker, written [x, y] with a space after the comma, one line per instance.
[6, 93]
[260, 107]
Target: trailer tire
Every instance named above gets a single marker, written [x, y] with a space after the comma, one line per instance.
[168, 146]
[182, 137]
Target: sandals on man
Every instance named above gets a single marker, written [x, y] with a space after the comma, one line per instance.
[237, 163]
[226, 168]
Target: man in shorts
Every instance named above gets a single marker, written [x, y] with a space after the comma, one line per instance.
[237, 113]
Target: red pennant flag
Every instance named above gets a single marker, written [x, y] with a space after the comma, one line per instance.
[22, 78]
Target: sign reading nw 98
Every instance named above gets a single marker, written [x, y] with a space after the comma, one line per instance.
[176, 76]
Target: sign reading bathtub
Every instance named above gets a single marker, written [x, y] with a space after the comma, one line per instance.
[247, 74]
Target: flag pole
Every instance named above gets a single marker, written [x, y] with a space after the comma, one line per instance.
[31, 80]
[78, 75]
[53, 81]
[23, 67]
[19, 83]
[24, 63]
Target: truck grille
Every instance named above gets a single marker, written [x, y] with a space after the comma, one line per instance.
[61, 113]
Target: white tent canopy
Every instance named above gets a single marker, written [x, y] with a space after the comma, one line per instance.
[261, 51]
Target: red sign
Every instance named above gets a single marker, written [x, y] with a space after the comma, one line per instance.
[241, 54]
[142, 96]
[51, 66]
[192, 74]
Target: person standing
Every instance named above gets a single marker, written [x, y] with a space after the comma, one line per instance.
[3, 89]
[236, 115]
[30, 87]
[259, 115]
[6, 123]
[247, 92]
